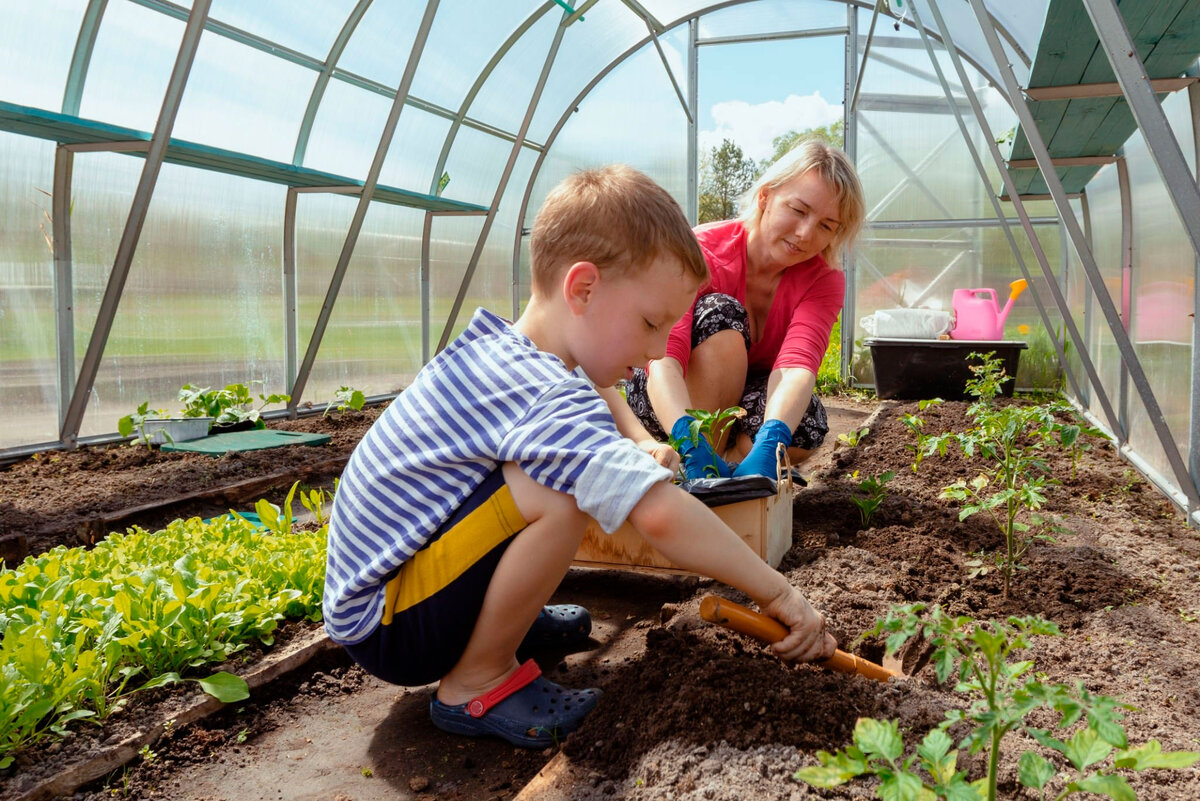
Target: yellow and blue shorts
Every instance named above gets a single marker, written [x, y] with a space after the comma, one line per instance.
[433, 601]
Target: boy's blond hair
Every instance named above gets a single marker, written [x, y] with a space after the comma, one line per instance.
[614, 217]
[833, 165]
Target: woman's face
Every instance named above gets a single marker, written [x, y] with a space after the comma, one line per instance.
[799, 219]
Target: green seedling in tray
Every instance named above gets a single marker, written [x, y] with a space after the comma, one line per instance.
[710, 425]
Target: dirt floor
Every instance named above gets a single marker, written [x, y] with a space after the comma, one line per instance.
[691, 711]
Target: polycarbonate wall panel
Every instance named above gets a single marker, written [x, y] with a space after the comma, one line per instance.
[504, 96]
[373, 341]
[1104, 201]
[968, 36]
[452, 241]
[28, 368]
[588, 47]
[1162, 292]
[493, 282]
[631, 117]
[346, 131]
[131, 64]
[771, 16]
[380, 45]
[202, 304]
[461, 41]
[475, 164]
[414, 152]
[36, 42]
[242, 99]
[307, 26]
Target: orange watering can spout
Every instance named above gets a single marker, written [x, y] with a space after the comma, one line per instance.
[1015, 289]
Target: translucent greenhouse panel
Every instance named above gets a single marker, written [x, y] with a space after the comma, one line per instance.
[921, 267]
[36, 43]
[1105, 204]
[411, 159]
[346, 131]
[452, 241]
[463, 38]
[588, 47]
[504, 97]
[378, 49]
[245, 100]
[1016, 20]
[373, 341]
[202, 304]
[307, 26]
[1163, 292]
[131, 64]
[772, 16]
[28, 365]
[475, 164]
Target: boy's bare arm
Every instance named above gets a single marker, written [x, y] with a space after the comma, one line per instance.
[688, 533]
[630, 426]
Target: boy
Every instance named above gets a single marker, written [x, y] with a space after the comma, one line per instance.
[462, 508]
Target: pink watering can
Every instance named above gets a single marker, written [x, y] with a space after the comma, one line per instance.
[978, 316]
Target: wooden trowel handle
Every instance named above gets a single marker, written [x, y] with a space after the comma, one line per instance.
[737, 617]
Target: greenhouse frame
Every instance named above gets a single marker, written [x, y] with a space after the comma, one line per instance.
[320, 192]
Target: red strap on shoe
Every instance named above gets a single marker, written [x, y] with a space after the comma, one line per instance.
[521, 677]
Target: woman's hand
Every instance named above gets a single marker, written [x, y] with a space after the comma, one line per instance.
[763, 458]
[699, 458]
[663, 453]
[807, 641]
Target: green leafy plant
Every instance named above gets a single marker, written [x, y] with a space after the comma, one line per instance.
[869, 494]
[1003, 693]
[708, 424]
[314, 501]
[136, 421]
[916, 425]
[345, 398]
[851, 438]
[1011, 439]
[233, 404]
[276, 519]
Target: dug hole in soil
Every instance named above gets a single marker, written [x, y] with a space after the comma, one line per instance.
[689, 711]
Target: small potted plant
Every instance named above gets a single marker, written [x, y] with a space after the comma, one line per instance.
[156, 426]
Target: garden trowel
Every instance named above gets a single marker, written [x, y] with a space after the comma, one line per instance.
[737, 617]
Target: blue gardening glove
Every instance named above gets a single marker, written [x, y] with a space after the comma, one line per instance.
[699, 458]
[761, 460]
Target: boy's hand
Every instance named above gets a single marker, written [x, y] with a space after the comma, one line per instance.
[699, 459]
[762, 459]
[663, 453]
[808, 639]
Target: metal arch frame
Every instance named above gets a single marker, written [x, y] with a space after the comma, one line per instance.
[189, 44]
[502, 184]
[1186, 482]
[1034, 242]
[480, 80]
[364, 202]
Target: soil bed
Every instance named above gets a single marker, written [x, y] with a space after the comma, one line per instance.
[691, 711]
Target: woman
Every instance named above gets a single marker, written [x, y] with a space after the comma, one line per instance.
[759, 328]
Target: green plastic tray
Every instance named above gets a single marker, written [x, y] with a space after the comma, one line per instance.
[219, 444]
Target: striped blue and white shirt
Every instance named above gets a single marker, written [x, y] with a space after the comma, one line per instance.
[490, 397]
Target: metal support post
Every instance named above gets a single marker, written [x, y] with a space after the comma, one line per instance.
[1126, 195]
[995, 201]
[850, 77]
[1042, 154]
[133, 224]
[500, 187]
[692, 209]
[64, 282]
[364, 203]
[291, 335]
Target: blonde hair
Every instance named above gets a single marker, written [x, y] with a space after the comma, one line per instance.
[833, 165]
[614, 217]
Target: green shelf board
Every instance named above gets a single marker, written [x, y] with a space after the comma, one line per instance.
[259, 440]
[1167, 36]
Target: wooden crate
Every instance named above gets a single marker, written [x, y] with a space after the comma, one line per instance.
[765, 524]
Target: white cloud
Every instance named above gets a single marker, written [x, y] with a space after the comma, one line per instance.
[753, 127]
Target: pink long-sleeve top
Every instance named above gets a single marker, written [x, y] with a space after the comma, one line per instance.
[802, 314]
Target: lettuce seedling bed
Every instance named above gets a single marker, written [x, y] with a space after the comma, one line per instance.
[695, 712]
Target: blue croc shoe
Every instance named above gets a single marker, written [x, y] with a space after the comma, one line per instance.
[564, 625]
[526, 710]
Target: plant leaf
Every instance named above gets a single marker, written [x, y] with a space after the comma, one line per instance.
[226, 687]
[1034, 770]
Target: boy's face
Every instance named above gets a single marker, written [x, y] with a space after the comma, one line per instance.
[626, 318]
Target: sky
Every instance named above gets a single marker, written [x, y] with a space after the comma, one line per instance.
[751, 93]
